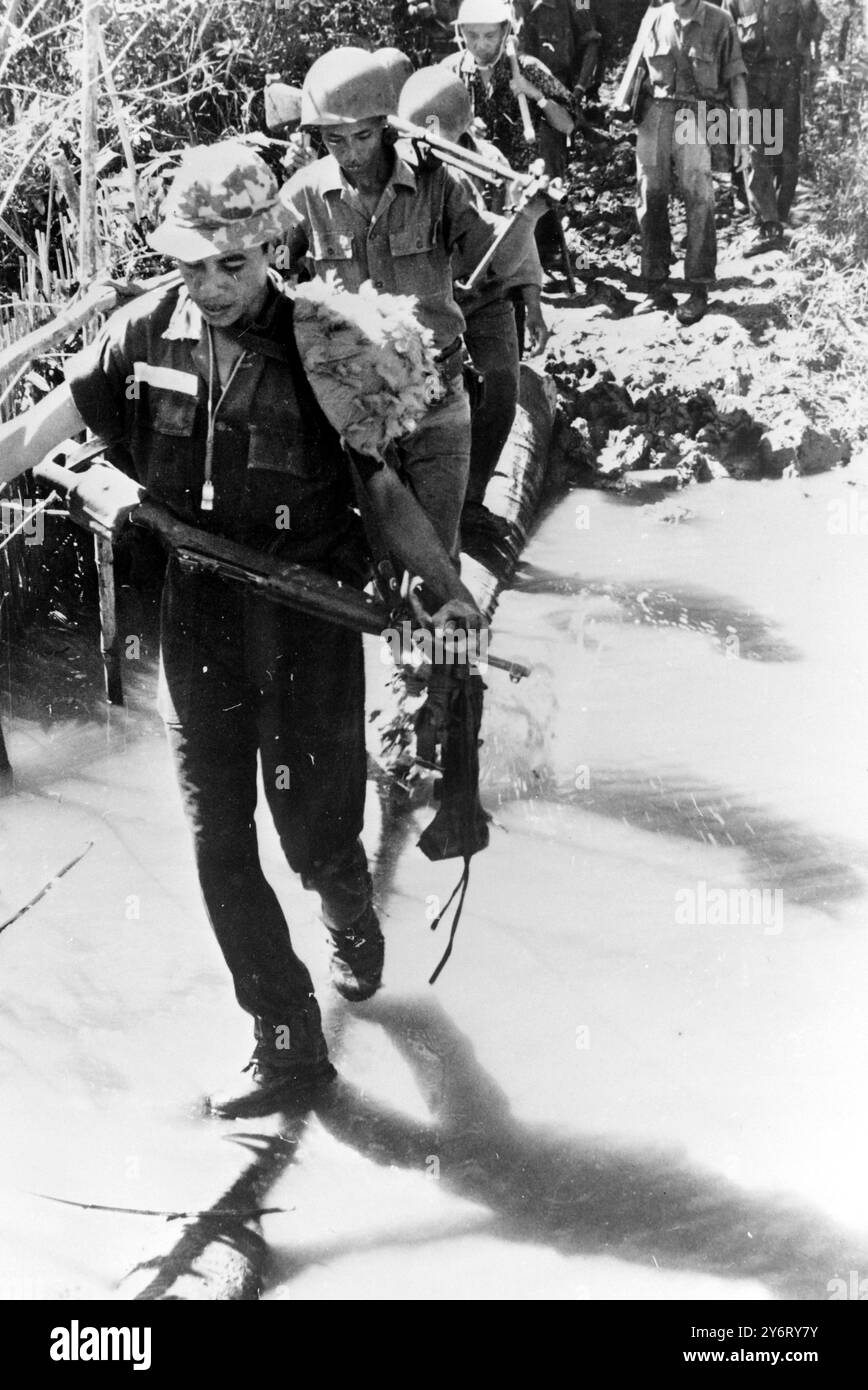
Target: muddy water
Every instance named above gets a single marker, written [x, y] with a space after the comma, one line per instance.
[641, 1075]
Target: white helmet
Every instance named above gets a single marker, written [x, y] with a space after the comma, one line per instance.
[484, 12]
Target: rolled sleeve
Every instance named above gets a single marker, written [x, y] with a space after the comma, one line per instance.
[99, 378]
[544, 78]
[468, 230]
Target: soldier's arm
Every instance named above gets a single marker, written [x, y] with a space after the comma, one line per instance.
[469, 231]
[552, 97]
[813, 27]
[587, 39]
[26, 439]
[408, 533]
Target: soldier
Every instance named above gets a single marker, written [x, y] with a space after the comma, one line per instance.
[484, 68]
[564, 35]
[368, 214]
[426, 28]
[778, 37]
[691, 56]
[490, 331]
[199, 390]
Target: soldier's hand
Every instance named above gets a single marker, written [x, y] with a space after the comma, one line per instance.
[741, 158]
[103, 499]
[457, 613]
[536, 328]
[298, 154]
[521, 87]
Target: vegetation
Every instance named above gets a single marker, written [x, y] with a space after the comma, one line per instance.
[189, 71]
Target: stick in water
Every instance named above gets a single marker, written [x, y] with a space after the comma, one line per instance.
[42, 892]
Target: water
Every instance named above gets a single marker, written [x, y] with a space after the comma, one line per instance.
[625, 1084]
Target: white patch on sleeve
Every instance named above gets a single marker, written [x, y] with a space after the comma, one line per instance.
[169, 378]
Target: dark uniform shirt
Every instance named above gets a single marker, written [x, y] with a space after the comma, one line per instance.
[498, 108]
[280, 480]
[694, 58]
[775, 31]
[563, 36]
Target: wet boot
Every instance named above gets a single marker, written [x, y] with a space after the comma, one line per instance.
[657, 300]
[694, 308]
[289, 1066]
[356, 964]
[345, 888]
[770, 237]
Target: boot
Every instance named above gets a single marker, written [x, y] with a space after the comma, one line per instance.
[770, 237]
[657, 300]
[356, 964]
[289, 1066]
[693, 309]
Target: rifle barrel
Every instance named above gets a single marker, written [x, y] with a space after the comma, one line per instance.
[478, 164]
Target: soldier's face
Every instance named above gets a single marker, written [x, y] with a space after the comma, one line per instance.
[484, 41]
[228, 288]
[357, 146]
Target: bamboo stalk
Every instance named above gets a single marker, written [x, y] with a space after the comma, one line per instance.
[16, 240]
[101, 298]
[123, 128]
[64, 179]
[8, 28]
[88, 265]
[87, 238]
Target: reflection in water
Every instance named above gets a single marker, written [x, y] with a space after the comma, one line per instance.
[715, 615]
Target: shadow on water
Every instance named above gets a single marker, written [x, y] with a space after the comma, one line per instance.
[692, 610]
[809, 869]
[220, 1253]
[579, 1195]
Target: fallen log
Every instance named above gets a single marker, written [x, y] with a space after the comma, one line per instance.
[101, 298]
[6, 776]
[514, 491]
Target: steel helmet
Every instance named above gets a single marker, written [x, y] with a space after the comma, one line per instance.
[346, 85]
[398, 67]
[437, 92]
[484, 12]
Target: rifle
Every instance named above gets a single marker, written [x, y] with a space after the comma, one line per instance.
[530, 185]
[527, 125]
[625, 97]
[474, 163]
[305, 590]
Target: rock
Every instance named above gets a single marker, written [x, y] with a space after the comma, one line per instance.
[740, 438]
[652, 482]
[795, 445]
[624, 450]
[579, 446]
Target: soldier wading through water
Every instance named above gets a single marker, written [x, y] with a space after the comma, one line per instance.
[200, 393]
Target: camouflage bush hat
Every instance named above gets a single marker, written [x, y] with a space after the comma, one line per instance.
[223, 198]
